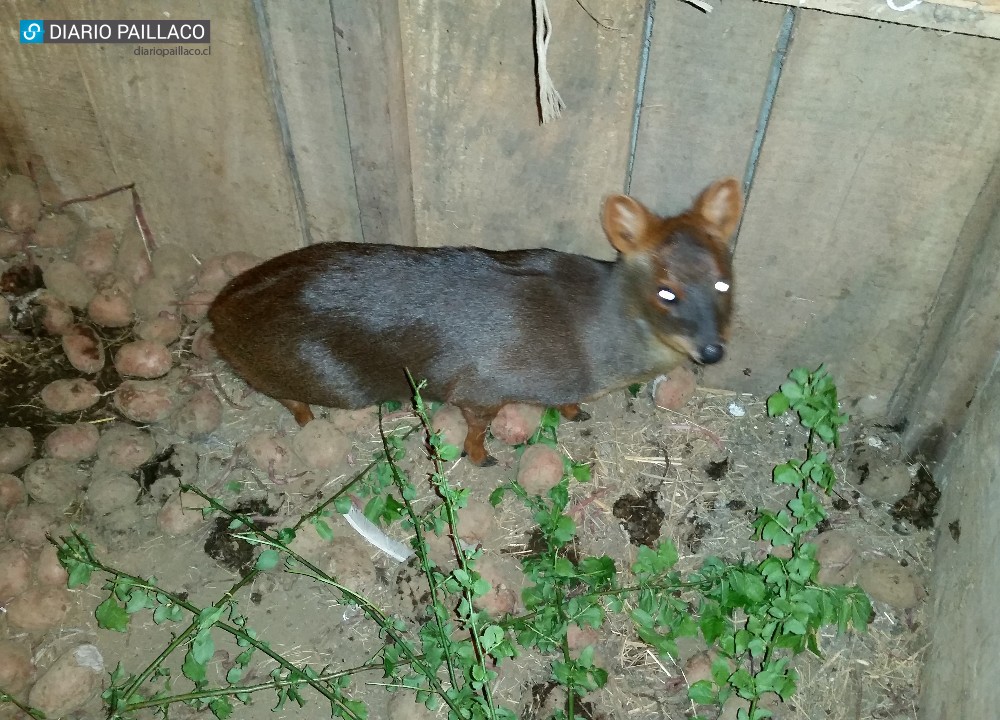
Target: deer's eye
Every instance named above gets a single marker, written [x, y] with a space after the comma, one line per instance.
[667, 296]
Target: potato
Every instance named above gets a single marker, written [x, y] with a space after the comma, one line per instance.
[16, 666]
[110, 492]
[4, 312]
[15, 572]
[146, 401]
[28, 524]
[55, 231]
[403, 705]
[270, 452]
[200, 415]
[887, 581]
[449, 422]
[132, 262]
[673, 392]
[516, 422]
[213, 275]
[181, 514]
[144, 359]
[58, 316]
[698, 667]
[506, 581]
[69, 683]
[16, 448]
[320, 445]
[69, 283]
[55, 482]
[84, 349]
[39, 608]
[125, 447]
[350, 421]
[48, 569]
[20, 204]
[540, 468]
[67, 396]
[239, 262]
[72, 443]
[838, 557]
[112, 305]
[195, 305]
[201, 344]
[153, 297]
[175, 265]
[886, 481]
[10, 244]
[11, 492]
[477, 522]
[165, 328]
[95, 253]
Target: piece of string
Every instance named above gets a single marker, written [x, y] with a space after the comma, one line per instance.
[548, 98]
[903, 8]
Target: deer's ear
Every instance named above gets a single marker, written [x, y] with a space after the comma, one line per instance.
[627, 223]
[720, 206]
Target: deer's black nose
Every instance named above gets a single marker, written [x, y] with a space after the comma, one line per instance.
[711, 353]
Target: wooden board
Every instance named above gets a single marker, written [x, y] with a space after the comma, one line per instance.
[961, 336]
[196, 134]
[369, 52]
[484, 171]
[704, 85]
[307, 75]
[880, 142]
[969, 17]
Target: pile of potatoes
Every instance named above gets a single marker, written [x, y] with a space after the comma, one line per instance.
[96, 284]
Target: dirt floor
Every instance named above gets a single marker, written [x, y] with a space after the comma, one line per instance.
[696, 475]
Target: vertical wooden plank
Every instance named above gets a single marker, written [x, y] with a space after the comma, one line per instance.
[706, 79]
[963, 625]
[302, 36]
[880, 142]
[369, 50]
[196, 134]
[961, 335]
[485, 172]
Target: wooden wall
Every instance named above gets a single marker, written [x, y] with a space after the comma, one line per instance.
[197, 135]
[416, 122]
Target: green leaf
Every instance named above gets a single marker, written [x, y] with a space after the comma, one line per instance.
[268, 559]
[323, 528]
[581, 471]
[702, 693]
[79, 574]
[221, 708]
[777, 404]
[496, 497]
[787, 473]
[203, 646]
[192, 669]
[491, 637]
[800, 375]
[111, 616]
[565, 529]
[342, 504]
[792, 391]
[634, 389]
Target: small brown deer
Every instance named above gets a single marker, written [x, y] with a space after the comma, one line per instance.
[337, 324]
